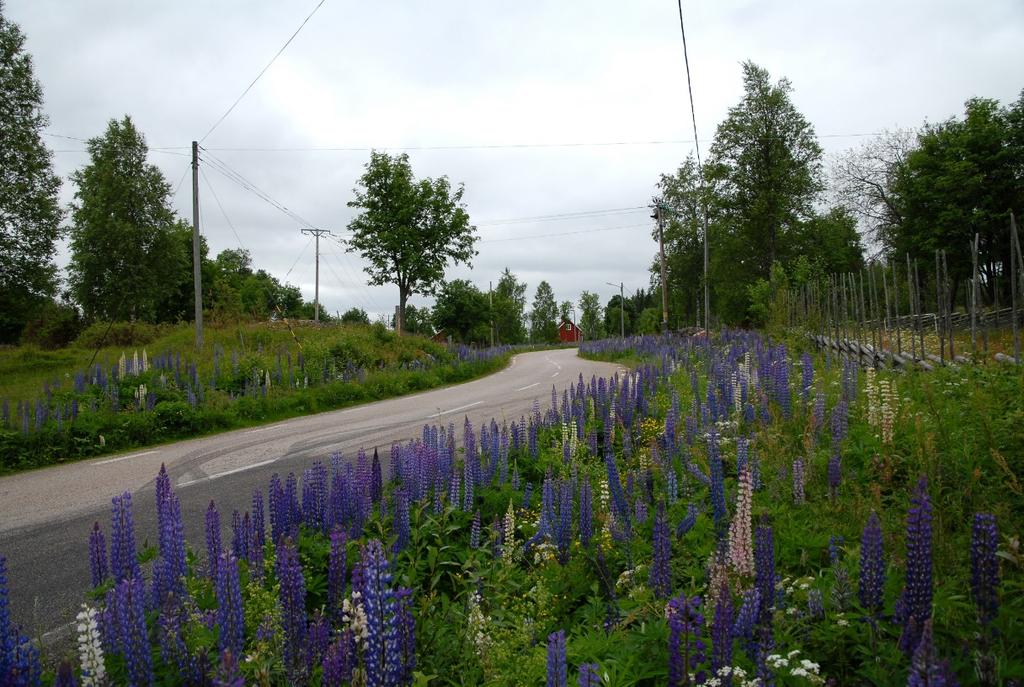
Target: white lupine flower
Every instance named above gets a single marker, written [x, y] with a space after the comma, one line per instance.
[354, 617]
[90, 649]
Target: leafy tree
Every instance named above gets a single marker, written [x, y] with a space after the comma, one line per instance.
[123, 245]
[765, 171]
[616, 320]
[649, 321]
[509, 310]
[544, 315]
[30, 213]
[419, 320]
[355, 316]
[408, 229]
[591, 321]
[460, 309]
[963, 178]
[565, 311]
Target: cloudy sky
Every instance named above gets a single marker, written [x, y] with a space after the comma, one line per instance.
[542, 109]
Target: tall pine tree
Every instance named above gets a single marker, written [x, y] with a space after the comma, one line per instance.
[30, 214]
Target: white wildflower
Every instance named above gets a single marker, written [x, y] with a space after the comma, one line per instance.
[90, 649]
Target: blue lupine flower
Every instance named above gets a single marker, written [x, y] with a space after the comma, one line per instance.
[123, 561]
[381, 657]
[872, 566]
[985, 567]
[685, 646]
[744, 626]
[660, 576]
[130, 600]
[764, 571]
[230, 615]
[563, 526]
[835, 471]
[721, 631]
[474, 531]
[213, 547]
[97, 555]
[293, 604]
[586, 513]
[917, 591]
[557, 668]
[401, 501]
[337, 663]
[926, 670]
[589, 676]
[406, 635]
[688, 522]
[228, 674]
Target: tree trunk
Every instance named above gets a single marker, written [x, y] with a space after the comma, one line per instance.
[403, 296]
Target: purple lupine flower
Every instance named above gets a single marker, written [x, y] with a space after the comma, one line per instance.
[337, 663]
[640, 510]
[7, 633]
[718, 509]
[589, 676]
[401, 526]
[293, 605]
[746, 621]
[764, 571]
[926, 670]
[228, 674]
[688, 522]
[620, 506]
[406, 635]
[474, 531]
[173, 651]
[381, 653]
[336, 570]
[872, 566]
[230, 615]
[318, 637]
[586, 513]
[376, 480]
[123, 562]
[660, 577]
[213, 548]
[239, 539]
[985, 567]
[527, 494]
[563, 526]
[917, 591]
[130, 600]
[839, 423]
[467, 482]
[685, 646]
[835, 471]
[259, 530]
[721, 631]
[97, 555]
[557, 668]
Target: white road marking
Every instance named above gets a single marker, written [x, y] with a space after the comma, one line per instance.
[264, 429]
[61, 629]
[120, 458]
[226, 473]
[555, 374]
[454, 410]
[528, 386]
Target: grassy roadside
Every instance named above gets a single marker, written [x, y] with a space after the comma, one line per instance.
[141, 400]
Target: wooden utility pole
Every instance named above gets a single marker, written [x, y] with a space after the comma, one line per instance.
[1014, 276]
[622, 308]
[490, 306]
[664, 282]
[316, 289]
[197, 272]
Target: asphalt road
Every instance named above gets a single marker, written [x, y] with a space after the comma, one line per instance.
[46, 515]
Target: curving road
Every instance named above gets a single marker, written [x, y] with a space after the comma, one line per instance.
[46, 515]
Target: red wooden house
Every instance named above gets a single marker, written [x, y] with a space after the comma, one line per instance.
[569, 332]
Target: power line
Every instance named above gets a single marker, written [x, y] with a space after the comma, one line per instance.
[222, 211]
[301, 253]
[566, 233]
[582, 214]
[262, 71]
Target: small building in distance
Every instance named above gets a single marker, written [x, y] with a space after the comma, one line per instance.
[569, 332]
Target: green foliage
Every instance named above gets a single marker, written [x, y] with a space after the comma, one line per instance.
[30, 212]
[509, 309]
[591, 321]
[461, 310]
[55, 325]
[355, 316]
[544, 315]
[407, 229]
[128, 253]
[963, 179]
